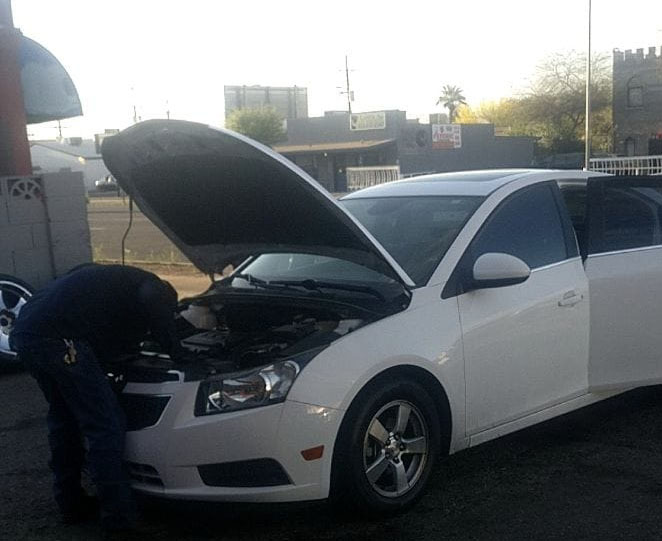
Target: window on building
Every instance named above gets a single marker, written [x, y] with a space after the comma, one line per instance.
[630, 146]
[635, 93]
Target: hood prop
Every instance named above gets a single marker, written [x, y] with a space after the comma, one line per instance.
[126, 233]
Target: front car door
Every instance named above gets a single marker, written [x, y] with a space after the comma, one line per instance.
[526, 345]
[624, 267]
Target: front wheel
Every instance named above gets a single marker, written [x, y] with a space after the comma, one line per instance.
[387, 447]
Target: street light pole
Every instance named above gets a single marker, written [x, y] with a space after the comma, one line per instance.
[587, 130]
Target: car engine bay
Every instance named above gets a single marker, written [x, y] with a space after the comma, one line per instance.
[225, 335]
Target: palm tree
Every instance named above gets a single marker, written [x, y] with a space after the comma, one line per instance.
[451, 97]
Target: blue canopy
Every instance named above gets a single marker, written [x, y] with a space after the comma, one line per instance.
[48, 91]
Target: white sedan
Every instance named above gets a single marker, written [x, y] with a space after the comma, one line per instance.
[356, 342]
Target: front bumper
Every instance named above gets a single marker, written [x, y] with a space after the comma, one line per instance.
[164, 459]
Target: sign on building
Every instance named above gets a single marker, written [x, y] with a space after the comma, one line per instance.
[446, 136]
[367, 121]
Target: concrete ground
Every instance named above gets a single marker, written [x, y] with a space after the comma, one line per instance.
[592, 474]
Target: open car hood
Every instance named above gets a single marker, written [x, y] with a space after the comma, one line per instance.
[221, 197]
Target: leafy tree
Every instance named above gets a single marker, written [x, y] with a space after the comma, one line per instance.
[451, 97]
[554, 106]
[506, 114]
[263, 124]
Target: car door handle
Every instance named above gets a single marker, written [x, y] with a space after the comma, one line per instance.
[570, 299]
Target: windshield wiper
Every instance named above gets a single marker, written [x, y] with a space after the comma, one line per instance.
[316, 285]
[259, 282]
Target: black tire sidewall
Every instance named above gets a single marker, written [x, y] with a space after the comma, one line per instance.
[350, 488]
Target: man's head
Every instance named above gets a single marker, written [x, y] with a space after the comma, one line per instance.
[170, 292]
[158, 291]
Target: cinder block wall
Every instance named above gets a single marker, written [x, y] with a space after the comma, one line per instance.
[43, 226]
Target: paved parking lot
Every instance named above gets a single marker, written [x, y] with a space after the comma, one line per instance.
[593, 474]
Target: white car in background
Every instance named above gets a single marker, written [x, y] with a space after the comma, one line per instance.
[359, 341]
[106, 184]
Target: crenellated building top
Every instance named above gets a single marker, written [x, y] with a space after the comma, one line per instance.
[638, 56]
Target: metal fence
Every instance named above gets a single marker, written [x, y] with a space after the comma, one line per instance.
[633, 165]
[364, 177]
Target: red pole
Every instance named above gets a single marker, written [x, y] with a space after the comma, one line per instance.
[14, 146]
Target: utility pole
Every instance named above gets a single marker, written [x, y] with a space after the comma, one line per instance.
[167, 110]
[587, 130]
[347, 90]
[136, 118]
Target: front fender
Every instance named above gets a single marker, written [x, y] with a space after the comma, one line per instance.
[427, 335]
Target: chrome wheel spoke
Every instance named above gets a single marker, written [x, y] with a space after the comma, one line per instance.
[377, 468]
[4, 344]
[378, 431]
[385, 447]
[403, 419]
[415, 446]
[401, 482]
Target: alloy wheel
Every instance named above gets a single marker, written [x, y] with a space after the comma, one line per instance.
[395, 448]
[12, 298]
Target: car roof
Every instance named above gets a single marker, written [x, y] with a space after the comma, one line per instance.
[478, 183]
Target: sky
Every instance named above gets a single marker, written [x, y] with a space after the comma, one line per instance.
[177, 56]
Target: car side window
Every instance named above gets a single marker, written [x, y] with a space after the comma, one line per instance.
[526, 225]
[574, 197]
[631, 217]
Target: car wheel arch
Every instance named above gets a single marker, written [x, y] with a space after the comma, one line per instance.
[402, 374]
[429, 382]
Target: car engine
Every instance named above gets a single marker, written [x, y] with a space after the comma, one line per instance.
[228, 335]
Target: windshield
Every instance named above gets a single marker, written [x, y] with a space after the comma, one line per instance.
[272, 267]
[417, 231]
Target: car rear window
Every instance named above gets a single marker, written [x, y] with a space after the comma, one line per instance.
[416, 231]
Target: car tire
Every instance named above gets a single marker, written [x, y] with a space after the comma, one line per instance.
[379, 467]
[13, 294]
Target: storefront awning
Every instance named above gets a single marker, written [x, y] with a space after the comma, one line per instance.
[48, 91]
[332, 147]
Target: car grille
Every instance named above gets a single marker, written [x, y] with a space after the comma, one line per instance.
[142, 411]
[144, 474]
[145, 375]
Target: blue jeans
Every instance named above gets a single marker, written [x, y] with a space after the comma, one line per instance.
[81, 405]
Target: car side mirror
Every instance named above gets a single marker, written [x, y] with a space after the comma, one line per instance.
[498, 270]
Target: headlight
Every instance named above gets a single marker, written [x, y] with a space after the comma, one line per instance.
[250, 389]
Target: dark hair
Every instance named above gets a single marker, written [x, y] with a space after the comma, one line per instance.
[171, 292]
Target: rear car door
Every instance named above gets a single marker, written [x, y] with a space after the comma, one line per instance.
[526, 345]
[624, 267]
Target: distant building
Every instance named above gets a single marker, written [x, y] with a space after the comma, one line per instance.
[289, 101]
[637, 102]
[73, 153]
[326, 146]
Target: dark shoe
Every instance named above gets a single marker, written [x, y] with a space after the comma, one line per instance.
[84, 510]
